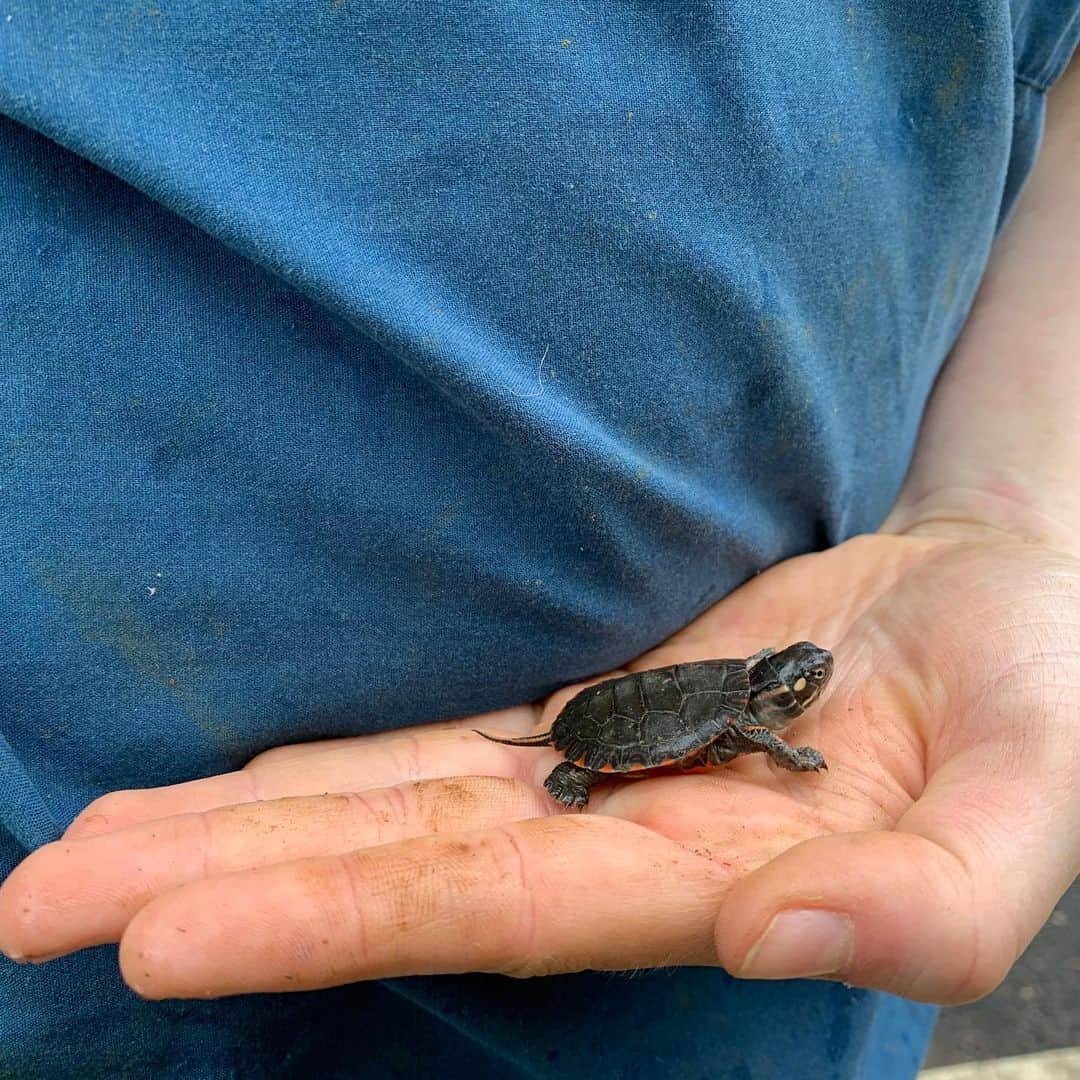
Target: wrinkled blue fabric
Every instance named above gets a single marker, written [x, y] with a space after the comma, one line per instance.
[366, 363]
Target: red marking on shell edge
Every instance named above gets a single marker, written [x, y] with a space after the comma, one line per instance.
[636, 766]
[609, 768]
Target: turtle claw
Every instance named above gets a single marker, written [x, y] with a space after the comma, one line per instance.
[571, 802]
[810, 760]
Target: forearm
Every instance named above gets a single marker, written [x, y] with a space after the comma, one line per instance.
[1000, 444]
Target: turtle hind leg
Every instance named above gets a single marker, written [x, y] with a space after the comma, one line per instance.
[569, 784]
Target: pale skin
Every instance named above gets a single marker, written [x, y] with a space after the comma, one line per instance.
[923, 862]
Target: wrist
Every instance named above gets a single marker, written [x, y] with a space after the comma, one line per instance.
[1002, 509]
[999, 445]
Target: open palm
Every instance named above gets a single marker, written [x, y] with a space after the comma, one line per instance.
[922, 862]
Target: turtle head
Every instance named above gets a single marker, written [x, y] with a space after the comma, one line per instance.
[783, 685]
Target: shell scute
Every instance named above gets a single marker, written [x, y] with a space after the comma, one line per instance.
[653, 718]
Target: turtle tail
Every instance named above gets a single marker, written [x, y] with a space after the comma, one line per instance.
[542, 739]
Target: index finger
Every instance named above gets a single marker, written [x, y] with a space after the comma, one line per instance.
[528, 898]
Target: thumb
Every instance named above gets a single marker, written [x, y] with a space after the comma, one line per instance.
[936, 910]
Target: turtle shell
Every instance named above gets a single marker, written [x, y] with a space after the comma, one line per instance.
[652, 718]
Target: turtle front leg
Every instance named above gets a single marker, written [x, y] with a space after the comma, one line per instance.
[569, 784]
[752, 739]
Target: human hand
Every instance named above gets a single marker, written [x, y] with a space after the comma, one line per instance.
[940, 838]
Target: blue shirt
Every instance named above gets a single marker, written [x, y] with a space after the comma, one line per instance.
[367, 363]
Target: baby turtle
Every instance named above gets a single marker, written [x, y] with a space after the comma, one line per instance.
[683, 716]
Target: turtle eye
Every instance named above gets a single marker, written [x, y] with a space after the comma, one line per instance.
[817, 674]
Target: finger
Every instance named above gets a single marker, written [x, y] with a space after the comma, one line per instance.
[937, 910]
[351, 765]
[531, 898]
[73, 894]
[520, 719]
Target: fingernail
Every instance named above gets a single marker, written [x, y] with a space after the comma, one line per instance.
[800, 945]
